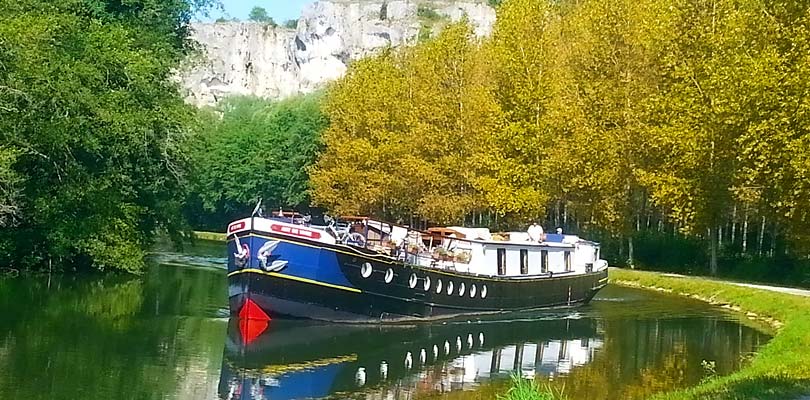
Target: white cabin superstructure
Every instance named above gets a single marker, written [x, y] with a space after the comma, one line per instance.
[511, 254]
[467, 250]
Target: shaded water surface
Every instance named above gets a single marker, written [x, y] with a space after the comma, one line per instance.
[166, 335]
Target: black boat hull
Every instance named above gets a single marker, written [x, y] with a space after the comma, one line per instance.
[328, 283]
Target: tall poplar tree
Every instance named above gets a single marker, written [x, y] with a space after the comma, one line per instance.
[407, 131]
[607, 73]
[709, 87]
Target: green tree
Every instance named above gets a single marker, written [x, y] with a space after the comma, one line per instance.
[97, 126]
[259, 14]
[250, 149]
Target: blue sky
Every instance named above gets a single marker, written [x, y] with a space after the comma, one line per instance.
[280, 10]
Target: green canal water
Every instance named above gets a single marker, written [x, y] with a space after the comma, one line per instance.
[167, 335]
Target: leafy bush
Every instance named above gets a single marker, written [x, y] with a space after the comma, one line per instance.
[291, 24]
[427, 13]
[253, 148]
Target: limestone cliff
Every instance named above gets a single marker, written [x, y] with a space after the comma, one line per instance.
[276, 62]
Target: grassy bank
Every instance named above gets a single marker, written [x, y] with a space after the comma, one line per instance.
[781, 369]
[213, 236]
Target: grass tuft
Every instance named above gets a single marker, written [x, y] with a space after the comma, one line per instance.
[529, 389]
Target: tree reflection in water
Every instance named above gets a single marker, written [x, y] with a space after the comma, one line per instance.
[162, 336]
[590, 358]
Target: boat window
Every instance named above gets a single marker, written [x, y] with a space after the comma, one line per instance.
[544, 261]
[449, 288]
[484, 292]
[389, 275]
[473, 290]
[501, 261]
[524, 261]
[461, 289]
[567, 260]
[438, 286]
[365, 270]
[426, 284]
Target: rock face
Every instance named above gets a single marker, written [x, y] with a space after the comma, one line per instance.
[246, 58]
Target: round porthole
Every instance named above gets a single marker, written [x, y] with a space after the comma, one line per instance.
[449, 288]
[426, 284]
[484, 292]
[389, 275]
[473, 290]
[365, 270]
[438, 286]
[461, 289]
[412, 281]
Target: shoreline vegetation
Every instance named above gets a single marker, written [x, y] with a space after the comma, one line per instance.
[781, 368]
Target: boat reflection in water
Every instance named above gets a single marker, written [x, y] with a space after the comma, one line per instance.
[290, 360]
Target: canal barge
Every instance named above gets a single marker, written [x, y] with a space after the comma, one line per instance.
[362, 270]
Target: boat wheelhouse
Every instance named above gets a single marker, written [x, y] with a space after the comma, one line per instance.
[358, 269]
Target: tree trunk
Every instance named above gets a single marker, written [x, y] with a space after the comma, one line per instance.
[761, 236]
[733, 224]
[630, 252]
[565, 217]
[713, 251]
[720, 237]
[556, 215]
[744, 232]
